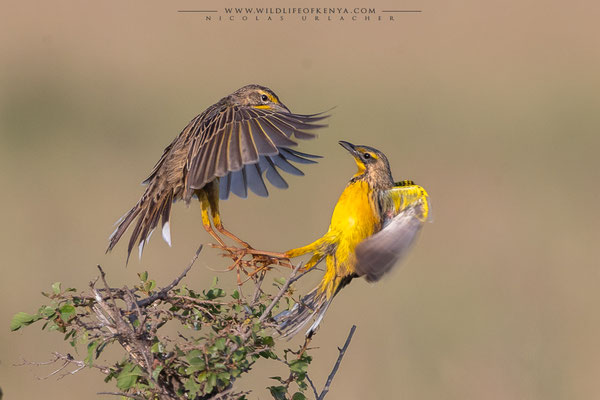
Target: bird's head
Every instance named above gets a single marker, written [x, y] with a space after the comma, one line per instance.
[260, 97]
[373, 165]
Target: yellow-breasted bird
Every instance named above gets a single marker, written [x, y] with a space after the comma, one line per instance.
[224, 150]
[373, 224]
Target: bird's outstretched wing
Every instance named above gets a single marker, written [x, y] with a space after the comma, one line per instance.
[406, 209]
[239, 143]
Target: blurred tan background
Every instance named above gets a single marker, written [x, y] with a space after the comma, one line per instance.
[493, 107]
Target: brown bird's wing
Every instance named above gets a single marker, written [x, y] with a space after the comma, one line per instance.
[238, 144]
[405, 210]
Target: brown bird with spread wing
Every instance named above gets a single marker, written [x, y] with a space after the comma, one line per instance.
[224, 150]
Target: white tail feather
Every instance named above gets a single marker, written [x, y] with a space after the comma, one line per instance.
[140, 249]
[166, 233]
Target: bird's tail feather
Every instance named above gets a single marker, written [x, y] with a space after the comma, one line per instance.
[313, 305]
[152, 207]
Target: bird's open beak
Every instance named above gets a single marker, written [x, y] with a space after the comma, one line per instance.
[348, 146]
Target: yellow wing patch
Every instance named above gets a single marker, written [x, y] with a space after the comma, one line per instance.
[400, 198]
[405, 210]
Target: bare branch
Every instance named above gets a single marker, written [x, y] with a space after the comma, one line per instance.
[312, 385]
[257, 290]
[162, 294]
[68, 360]
[131, 396]
[56, 371]
[110, 294]
[279, 295]
[337, 364]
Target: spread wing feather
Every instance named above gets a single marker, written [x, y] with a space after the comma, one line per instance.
[238, 144]
[298, 156]
[255, 181]
[238, 183]
[272, 174]
[405, 210]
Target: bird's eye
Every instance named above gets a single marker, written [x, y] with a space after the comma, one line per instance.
[366, 156]
[264, 97]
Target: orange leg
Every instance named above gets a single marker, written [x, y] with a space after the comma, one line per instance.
[205, 205]
[213, 200]
[219, 226]
[212, 195]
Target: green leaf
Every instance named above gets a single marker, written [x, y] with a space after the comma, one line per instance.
[156, 372]
[268, 341]
[47, 311]
[211, 381]
[298, 396]
[278, 392]
[53, 327]
[157, 347]
[236, 295]
[281, 281]
[66, 312]
[191, 370]
[197, 362]
[150, 285]
[236, 339]
[22, 319]
[299, 366]
[194, 357]
[56, 287]
[91, 347]
[214, 282]
[128, 376]
[69, 334]
[143, 276]
[202, 376]
[301, 383]
[238, 355]
[183, 291]
[192, 387]
[268, 354]
[220, 343]
[224, 377]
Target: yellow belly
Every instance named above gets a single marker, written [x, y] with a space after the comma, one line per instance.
[354, 219]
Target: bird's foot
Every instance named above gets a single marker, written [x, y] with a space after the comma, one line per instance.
[259, 256]
[267, 258]
[260, 261]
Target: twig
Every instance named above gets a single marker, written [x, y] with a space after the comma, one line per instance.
[131, 396]
[103, 277]
[163, 292]
[68, 360]
[141, 318]
[280, 294]
[312, 385]
[337, 364]
[257, 290]
[110, 295]
[57, 371]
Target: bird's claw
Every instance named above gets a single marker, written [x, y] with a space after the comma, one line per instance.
[260, 260]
